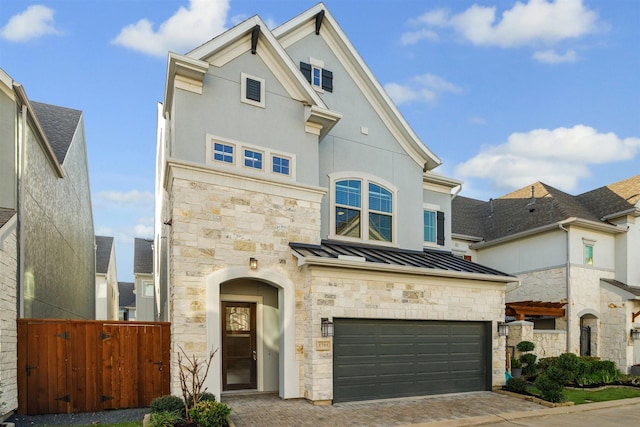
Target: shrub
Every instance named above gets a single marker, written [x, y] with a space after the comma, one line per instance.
[209, 414]
[550, 390]
[529, 361]
[525, 346]
[515, 363]
[204, 397]
[168, 403]
[517, 385]
[164, 419]
[565, 368]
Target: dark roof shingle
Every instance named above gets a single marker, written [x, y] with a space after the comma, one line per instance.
[143, 256]
[59, 124]
[5, 215]
[103, 253]
[127, 297]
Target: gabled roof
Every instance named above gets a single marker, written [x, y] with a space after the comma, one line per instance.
[304, 24]
[428, 259]
[142, 256]
[103, 253]
[5, 215]
[621, 196]
[127, 297]
[634, 291]
[59, 124]
[539, 207]
[237, 41]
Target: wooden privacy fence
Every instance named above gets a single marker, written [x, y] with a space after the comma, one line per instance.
[85, 366]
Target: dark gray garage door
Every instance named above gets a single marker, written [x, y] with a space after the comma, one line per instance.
[379, 359]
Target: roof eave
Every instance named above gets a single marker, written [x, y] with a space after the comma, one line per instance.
[634, 211]
[399, 269]
[181, 65]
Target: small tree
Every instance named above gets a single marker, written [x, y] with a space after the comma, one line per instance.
[528, 359]
[192, 377]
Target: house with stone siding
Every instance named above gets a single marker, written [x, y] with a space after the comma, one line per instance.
[47, 254]
[301, 231]
[577, 260]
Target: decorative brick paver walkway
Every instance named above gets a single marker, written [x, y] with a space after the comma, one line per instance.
[265, 410]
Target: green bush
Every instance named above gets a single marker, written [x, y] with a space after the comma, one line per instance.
[168, 403]
[517, 385]
[209, 414]
[164, 419]
[550, 389]
[529, 361]
[515, 363]
[525, 346]
[204, 397]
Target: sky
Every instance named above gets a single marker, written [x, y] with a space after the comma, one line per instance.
[505, 92]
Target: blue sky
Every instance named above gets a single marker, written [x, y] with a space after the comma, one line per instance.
[506, 93]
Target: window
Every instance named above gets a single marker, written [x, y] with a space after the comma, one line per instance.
[252, 90]
[363, 209]
[380, 211]
[253, 159]
[315, 73]
[430, 226]
[588, 254]
[280, 165]
[348, 208]
[148, 289]
[433, 223]
[223, 152]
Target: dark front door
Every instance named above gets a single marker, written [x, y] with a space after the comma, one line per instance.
[238, 345]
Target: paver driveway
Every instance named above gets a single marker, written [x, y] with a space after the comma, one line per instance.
[265, 410]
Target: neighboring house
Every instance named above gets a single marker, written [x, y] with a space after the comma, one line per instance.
[46, 221]
[144, 283]
[576, 256]
[294, 197]
[106, 279]
[127, 301]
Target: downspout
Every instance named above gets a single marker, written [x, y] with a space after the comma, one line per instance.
[22, 136]
[568, 281]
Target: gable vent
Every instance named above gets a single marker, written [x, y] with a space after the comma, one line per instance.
[253, 90]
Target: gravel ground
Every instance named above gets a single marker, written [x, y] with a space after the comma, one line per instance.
[81, 419]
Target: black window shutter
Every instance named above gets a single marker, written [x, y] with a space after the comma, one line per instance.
[253, 90]
[327, 80]
[306, 70]
[440, 228]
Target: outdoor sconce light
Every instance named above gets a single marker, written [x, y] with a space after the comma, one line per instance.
[326, 326]
[503, 329]
[635, 334]
[253, 263]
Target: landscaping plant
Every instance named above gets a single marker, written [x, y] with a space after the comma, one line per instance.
[528, 360]
[209, 413]
[168, 403]
[164, 419]
[517, 385]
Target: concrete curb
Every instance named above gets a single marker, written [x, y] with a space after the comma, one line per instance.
[514, 416]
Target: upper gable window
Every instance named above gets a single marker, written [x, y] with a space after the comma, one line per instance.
[252, 90]
[587, 245]
[280, 165]
[363, 209]
[315, 73]
[433, 225]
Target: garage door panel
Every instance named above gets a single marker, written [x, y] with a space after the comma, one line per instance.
[376, 359]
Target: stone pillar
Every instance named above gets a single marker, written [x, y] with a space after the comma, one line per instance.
[520, 330]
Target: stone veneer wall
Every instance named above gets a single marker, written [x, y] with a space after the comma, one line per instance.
[615, 342]
[540, 285]
[549, 343]
[8, 315]
[349, 292]
[220, 221]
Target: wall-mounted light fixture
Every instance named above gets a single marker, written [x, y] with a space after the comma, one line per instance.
[503, 329]
[326, 326]
[635, 334]
[253, 263]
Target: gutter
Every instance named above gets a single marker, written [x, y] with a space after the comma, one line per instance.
[635, 211]
[610, 228]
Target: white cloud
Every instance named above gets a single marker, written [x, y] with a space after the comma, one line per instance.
[36, 21]
[414, 37]
[532, 23]
[558, 157]
[477, 120]
[552, 57]
[133, 198]
[187, 29]
[424, 87]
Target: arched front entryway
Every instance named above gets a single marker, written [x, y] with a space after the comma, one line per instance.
[272, 298]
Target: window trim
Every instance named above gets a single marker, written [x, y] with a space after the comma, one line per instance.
[272, 156]
[144, 286]
[243, 90]
[588, 243]
[227, 144]
[364, 179]
[435, 226]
